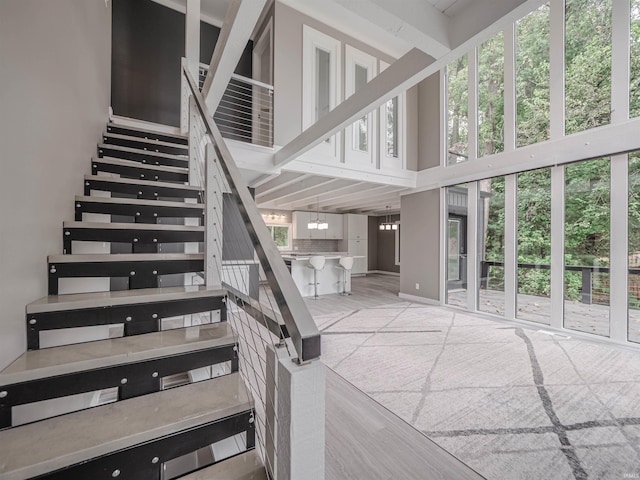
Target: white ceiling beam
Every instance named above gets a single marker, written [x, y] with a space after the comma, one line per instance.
[300, 186]
[402, 74]
[239, 23]
[284, 179]
[313, 193]
[382, 200]
[343, 192]
[369, 194]
[415, 22]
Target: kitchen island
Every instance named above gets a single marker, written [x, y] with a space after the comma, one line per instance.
[329, 278]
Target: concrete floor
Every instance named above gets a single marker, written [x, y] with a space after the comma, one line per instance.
[512, 403]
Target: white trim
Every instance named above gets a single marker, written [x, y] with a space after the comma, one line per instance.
[510, 245]
[557, 247]
[179, 7]
[415, 298]
[472, 108]
[472, 245]
[556, 69]
[356, 58]
[618, 247]
[313, 40]
[384, 272]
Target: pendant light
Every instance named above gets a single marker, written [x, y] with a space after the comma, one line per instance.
[317, 224]
[388, 225]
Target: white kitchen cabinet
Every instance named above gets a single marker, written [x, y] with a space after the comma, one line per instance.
[336, 227]
[300, 226]
[355, 233]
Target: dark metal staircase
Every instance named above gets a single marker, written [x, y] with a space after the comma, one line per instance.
[150, 431]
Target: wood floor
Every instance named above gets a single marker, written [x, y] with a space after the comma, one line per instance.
[366, 441]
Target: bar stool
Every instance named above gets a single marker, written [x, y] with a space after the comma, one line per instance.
[316, 263]
[346, 264]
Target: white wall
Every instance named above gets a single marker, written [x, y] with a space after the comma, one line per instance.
[55, 60]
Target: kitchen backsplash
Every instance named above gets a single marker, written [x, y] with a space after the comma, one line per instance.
[315, 245]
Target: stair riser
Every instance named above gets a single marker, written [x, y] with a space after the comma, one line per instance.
[129, 462]
[119, 130]
[142, 378]
[140, 191]
[139, 173]
[137, 318]
[142, 145]
[106, 151]
[141, 274]
[142, 213]
[134, 237]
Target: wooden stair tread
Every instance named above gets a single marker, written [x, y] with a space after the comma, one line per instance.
[150, 141]
[78, 301]
[135, 181]
[147, 130]
[107, 146]
[132, 226]
[132, 163]
[136, 201]
[123, 257]
[246, 466]
[52, 444]
[47, 362]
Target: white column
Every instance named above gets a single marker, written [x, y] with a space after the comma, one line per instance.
[472, 246]
[298, 401]
[619, 246]
[510, 88]
[557, 246]
[556, 68]
[472, 66]
[191, 53]
[510, 245]
[213, 220]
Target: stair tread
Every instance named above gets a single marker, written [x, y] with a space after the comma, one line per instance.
[246, 466]
[122, 257]
[47, 362]
[139, 150]
[135, 181]
[78, 301]
[150, 141]
[133, 226]
[147, 130]
[57, 442]
[136, 201]
[145, 166]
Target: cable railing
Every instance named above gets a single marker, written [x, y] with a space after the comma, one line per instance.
[277, 337]
[245, 111]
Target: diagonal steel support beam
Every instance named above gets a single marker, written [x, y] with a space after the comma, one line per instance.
[239, 23]
[401, 75]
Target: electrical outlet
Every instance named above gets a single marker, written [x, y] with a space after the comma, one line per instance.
[417, 286]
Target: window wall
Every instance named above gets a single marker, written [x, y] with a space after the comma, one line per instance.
[457, 216]
[555, 240]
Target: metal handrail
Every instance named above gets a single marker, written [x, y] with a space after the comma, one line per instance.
[242, 78]
[300, 325]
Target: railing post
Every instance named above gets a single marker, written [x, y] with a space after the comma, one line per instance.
[586, 286]
[295, 411]
[213, 220]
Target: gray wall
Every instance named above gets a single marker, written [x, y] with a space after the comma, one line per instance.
[288, 67]
[420, 244]
[55, 77]
[429, 121]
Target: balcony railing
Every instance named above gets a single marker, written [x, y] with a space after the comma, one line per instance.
[245, 112]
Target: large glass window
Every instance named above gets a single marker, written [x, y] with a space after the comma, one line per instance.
[491, 96]
[457, 111]
[634, 247]
[360, 140]
[280, 235]
[491, 245]
[532, 77]
[588, 64]
[534, 246]
[457, 212]
[634, 67]
[586, 246]
[391, 133]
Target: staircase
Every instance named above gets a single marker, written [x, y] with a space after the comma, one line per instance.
[152, 338]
